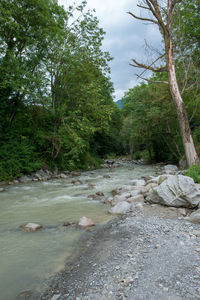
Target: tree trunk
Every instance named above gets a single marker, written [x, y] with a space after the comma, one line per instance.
[190, 151]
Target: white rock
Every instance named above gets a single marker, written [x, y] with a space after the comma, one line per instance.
[120, 208]
[135, 192]
[125, 188]
[55, 297]
[138, 198]
[2, 189]
[118, 198]
[31, 227]
[85, 222]
[138, 182]
[177, 191]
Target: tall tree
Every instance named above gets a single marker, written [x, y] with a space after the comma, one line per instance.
[165, 25]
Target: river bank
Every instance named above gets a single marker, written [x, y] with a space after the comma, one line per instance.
[149, 256]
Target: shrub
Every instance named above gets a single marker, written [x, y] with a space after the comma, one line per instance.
[17, 157]
[194, 172]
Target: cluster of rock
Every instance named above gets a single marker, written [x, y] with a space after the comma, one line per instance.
[44, 175]
[114, 163]
[169, 189]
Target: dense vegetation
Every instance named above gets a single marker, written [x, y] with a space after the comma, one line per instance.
[56, 106]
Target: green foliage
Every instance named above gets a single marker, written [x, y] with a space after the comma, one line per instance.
[55, 93]
[16, 158]
[194, 172]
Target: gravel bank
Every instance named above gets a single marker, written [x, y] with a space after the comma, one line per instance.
[137, 257]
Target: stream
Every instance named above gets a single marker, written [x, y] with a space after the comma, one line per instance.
[28, 259]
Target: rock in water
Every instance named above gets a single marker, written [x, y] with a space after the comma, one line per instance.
[31, 227]
[85, 222]
[177, 191]
[120, 208]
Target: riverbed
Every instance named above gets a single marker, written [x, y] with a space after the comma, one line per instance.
[28, 259]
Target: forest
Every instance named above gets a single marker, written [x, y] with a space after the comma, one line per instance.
[56, 95]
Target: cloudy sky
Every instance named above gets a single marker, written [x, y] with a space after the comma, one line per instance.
[125, 39]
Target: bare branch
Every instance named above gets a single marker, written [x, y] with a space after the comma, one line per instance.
[152, 81]
[143, 19]
[161, 56]
[141, 6]
[154, 8]
[139, 65]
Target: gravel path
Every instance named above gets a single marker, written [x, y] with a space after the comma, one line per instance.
[139, 257]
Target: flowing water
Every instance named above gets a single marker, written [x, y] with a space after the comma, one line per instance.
[26, 259]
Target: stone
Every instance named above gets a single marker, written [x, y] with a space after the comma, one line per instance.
[108, 200]
[194, 217]
[62, 175]
[75, 173]
[31, 227]
[25, 179]
[55, 296]
[162, 178]
[135, 192]
[106, 176]
[182, 211]
[177, 191]
[196, 233]
[118, 198]
[120, 208]
[124, 188]
[100, 194]
[77, 182]
[138, 198]
[85, 222]
[90, 186]
[94, 197]
[170, 169]
[2, 189]
[138, 182]
[66, 224]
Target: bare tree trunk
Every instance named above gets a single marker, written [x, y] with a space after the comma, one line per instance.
[190, 152]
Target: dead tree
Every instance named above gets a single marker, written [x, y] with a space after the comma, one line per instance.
[165, 28]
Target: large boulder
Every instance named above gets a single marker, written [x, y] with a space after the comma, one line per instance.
[31, 227]
[120, 208]
[85, 222]
[177, 191]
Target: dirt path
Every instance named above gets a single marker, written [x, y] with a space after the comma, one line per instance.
[138, 257]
